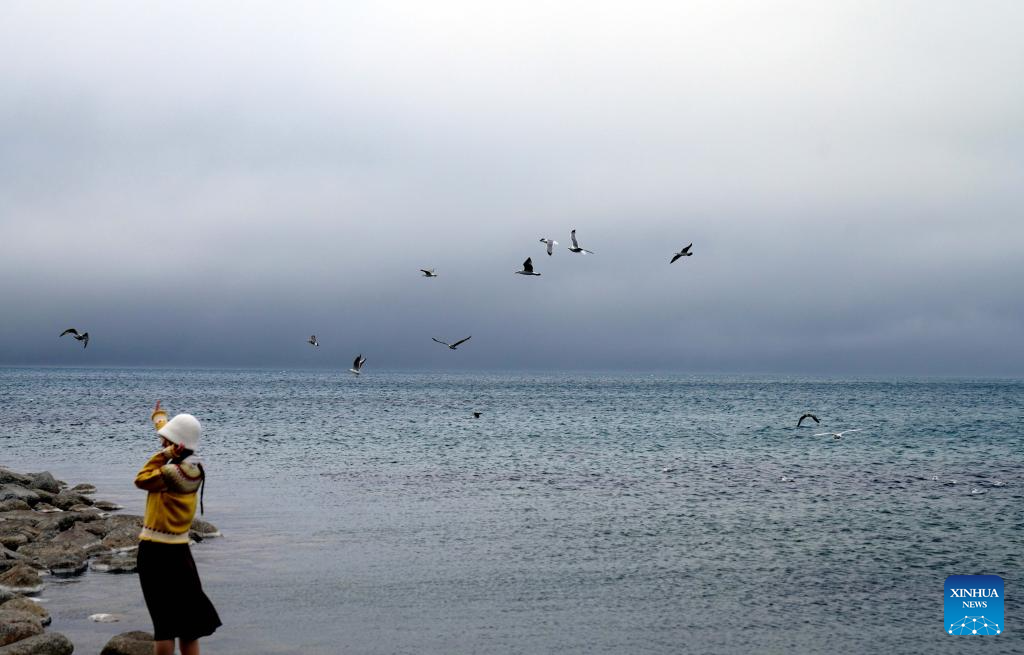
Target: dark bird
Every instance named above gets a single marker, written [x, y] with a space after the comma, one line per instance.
[357, 364]
[528, 268]
[313, 341]
[576, 246]
[427, 273]
[477, 414]
[806, 416]
[84, 337]
[685, 252]
[455, 345]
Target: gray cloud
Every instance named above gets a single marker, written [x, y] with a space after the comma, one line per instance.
[200, 185]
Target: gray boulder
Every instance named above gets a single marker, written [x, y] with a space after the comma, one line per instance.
[50, 643]
[13, 504]
[81, 538]
[8, 476]
[107, 506]
[7, 595]
[23, 604]
[16, 625]
[22, 579]
[129, 643]
[204, 530]
[84, 488]
[45, 481]
[68, 499]
[119, 562]
[12, 491]
[60, 559]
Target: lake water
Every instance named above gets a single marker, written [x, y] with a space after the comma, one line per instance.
[580, 514]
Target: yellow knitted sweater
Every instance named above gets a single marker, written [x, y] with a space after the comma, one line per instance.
[171, 503]
[169, 508]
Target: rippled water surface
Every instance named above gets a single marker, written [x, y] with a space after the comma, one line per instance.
[579, 514]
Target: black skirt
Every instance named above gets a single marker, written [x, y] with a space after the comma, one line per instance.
[173, 593]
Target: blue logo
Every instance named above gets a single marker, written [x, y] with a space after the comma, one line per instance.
[974, 605]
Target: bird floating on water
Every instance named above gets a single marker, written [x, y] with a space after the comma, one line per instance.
[313, 341]
[430, 273]
[836, 435]
[357, 364]
[527, 268]
[808, 415]
[83, 337]
[551, 244]
[685, 252]
[455, 345]
[576, 246]
[477, 414]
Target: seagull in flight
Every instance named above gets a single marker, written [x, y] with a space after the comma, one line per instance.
[527, 267]
[685, 252]
[455, 345]
[836, 435]
[357, 364]
[313, 341]
[805, 416]
[84, 337]
[576, 246]
[429, 273]
[551, 244]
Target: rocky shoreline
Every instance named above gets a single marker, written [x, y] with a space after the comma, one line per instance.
[48, 528]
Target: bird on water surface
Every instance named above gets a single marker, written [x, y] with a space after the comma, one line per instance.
[313, 341]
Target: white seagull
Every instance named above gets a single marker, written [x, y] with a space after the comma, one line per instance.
[429, 273]
[685, 252]
[313, 341]
[551, 244]
[836, 435]
[455, 345]
[527, 268]
[576, 246]
[357, 364]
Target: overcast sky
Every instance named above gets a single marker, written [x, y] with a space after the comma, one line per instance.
[200, 183]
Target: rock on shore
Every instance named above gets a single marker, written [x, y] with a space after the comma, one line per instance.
[47, 528]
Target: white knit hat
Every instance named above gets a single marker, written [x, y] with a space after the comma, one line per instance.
[183, 429]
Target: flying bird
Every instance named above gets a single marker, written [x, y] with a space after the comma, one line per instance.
[84, 337]
[685, 252]
[477, 414]
[455, 345]
[429, 273]
[357, 364]
[551, 244]
[527, 267]
[576, 246]
[836, 435]
[806, 416]
[313, 341]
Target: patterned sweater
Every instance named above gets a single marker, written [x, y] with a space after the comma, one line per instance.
[171, 503]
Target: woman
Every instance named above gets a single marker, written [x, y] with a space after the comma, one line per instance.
[170, 582]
